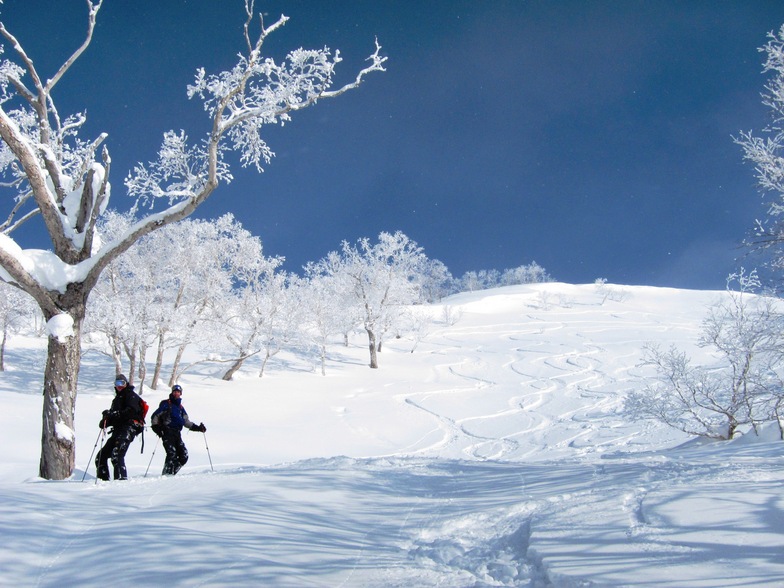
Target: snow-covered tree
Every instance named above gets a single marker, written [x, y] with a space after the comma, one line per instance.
[110, 320]
[215, 255]
[16, 311]
[766, 152]
[277, 315]
[479, 280]
[323, 311]
[381, 280]
[533, 273]
[162, 300]
[330, 271]
[744, 385]
[62, 179]
[259, 317]
[436, 281]
[127, 304]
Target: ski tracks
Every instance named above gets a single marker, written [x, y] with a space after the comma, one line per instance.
[558, 368]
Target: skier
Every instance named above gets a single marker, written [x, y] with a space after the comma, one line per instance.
[126, 417]
[167, 422]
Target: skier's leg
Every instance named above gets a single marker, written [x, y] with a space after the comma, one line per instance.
[102, 459]
[169, 446]
[124, 437]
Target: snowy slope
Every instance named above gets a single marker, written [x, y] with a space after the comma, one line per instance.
[496, 454]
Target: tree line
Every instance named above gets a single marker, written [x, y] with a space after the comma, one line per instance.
[214, 290]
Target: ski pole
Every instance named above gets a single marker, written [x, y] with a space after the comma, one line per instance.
[102, 437]
[208, 451]
[153, 455]
[97, 439]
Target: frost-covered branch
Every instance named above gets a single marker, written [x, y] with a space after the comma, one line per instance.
[765, 152]
[93, 8]
[257, 91]
[744, 386]
[50, 165]
[240, 101]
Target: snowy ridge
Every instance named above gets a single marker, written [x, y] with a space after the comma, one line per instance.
[496, 454]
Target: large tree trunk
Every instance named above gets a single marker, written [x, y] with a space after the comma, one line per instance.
[58, 437]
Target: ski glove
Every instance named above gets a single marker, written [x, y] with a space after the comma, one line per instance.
[200, 428]
[158, 430]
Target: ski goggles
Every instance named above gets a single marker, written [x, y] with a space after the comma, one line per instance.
[120, 383]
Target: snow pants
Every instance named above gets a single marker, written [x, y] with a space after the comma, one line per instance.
[176, 452]
[115, 449]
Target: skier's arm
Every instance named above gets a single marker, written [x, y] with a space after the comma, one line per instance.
[191, 425]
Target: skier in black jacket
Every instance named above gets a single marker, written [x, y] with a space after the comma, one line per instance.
[167, 422]
[124, 416]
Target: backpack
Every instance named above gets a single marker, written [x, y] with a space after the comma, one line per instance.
[145, 409]
[160, 418]
[141, 414]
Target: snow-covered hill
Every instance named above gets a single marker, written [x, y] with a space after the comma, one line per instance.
[495, 454]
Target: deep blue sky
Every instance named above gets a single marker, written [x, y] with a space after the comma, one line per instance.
[592, 137]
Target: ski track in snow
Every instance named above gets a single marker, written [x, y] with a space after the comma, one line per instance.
[528, 469]
[543, 379]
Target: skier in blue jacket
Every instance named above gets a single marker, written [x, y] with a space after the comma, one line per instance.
[167, 422]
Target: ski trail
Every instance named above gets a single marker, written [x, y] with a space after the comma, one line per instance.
[561, 372]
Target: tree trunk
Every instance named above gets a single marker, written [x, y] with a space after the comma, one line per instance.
[264, 364]
[58, 438]
[372, 347]
[142, 369]
[235, 366]
[117, 356]
[2, 350]
[156, 375]
[175, 374]
[233, 369]
[131, 352]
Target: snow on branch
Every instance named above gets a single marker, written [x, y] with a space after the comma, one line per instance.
[240, 101]
[764, 151]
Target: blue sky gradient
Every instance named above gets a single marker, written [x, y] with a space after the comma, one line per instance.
[594, 138]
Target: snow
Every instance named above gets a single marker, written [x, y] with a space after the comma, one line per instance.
[496, 454]
[60, 326]
[64, 432]
[46, 268]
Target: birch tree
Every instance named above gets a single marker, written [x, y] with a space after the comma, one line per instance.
[324, 312]
[63, 180]
[261, 317]
[161, 300]
[765, 150]
[16, 309]
[744, 384]
[383, 279]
